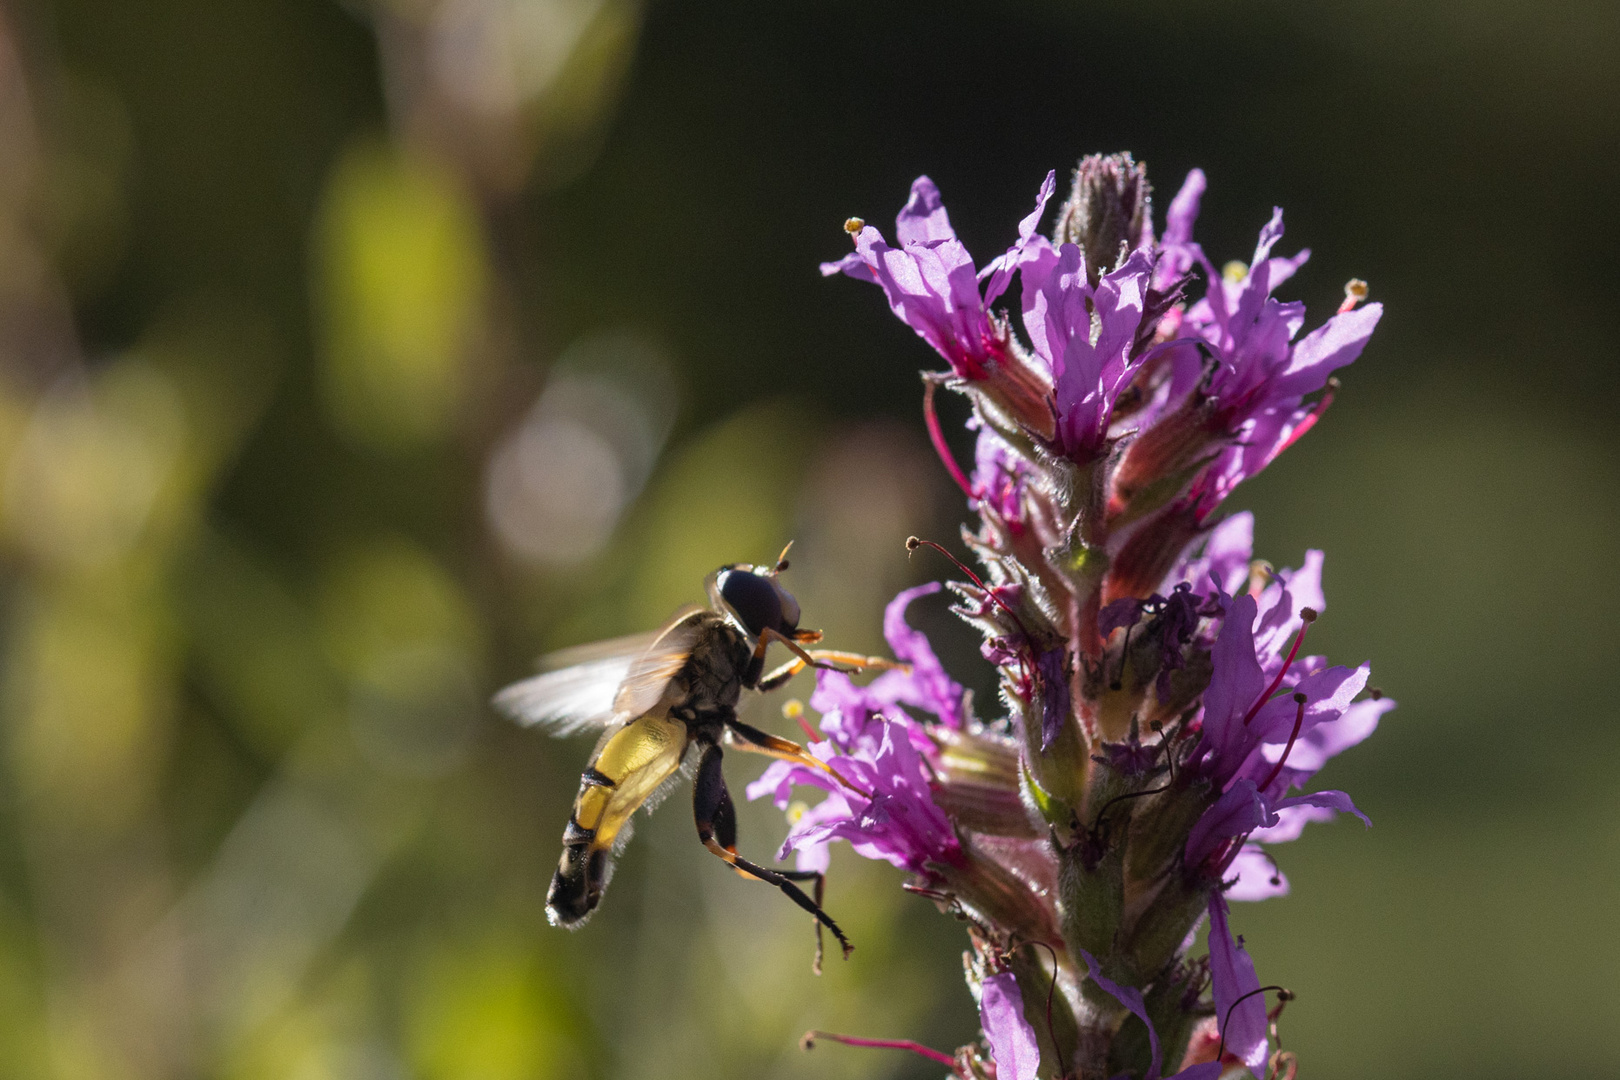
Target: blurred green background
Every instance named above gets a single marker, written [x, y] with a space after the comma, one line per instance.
[352, 354]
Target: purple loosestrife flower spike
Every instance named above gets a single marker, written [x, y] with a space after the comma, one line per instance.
[1158, 717]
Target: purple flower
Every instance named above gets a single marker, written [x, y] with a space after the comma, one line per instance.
[880, 801]
[1012, 1040]
[1262, 375]
[1240, 1009]
[1087, 337]
[1053, 670]
[883, 806]
[1112, 419]
[1255, 751]
[932, 284]
[1222, 560]
[1229, 382]
[1254, 655]
[1000, 475]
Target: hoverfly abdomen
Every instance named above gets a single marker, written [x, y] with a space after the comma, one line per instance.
[577, 886]
[630, 765]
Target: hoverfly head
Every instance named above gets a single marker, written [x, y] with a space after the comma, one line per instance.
[755, 598]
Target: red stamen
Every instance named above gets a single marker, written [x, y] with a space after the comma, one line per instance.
[931, 1054]
[1307, 616]
[913, 543]
[1299, 722]
[1310, 421]
[937, 437]
[1355, 291]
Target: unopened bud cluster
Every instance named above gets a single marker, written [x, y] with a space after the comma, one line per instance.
[1158, 715]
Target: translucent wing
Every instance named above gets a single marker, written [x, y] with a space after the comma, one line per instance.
[592, 686]
[578, 695]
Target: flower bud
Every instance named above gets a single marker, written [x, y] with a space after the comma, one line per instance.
[977, 784]
[1109, 209]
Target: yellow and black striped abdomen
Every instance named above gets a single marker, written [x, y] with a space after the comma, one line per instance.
[629, 766]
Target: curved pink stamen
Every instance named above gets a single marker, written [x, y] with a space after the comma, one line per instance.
[1299, 722]
[937, 436]
[928, 1052]
[1307, 617]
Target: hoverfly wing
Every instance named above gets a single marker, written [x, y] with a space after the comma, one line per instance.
[589, 687]
[650, 674]
[577, 691]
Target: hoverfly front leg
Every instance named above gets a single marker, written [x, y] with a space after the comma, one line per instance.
[717, 829]
[819, 658]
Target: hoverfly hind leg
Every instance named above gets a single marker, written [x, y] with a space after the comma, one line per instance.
[717, 828]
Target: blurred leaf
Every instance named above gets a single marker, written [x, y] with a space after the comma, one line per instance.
[400, 284]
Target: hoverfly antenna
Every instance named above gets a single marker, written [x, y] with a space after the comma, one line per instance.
[781, 561]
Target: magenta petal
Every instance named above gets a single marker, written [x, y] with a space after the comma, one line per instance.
[1239, 1008]
[1235, 813]
[1254, 876]
[1223, 558]
[1234, 685]
[852, 264]
[1012, 1041]
[1291, 822]
[1131, 998]
[1178, 221]
[1332, 737]
[1331, 346]
[1305, 584]
[926, 685]
[1001, 269]
[923, 218]
[1327, 800]
[1053, 671]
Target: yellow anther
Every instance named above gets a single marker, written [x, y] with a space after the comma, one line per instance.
[854, 225]
[796, 810]
[1234, 271]
[792, 709]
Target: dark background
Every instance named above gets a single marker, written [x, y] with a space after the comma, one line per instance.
[256, 818]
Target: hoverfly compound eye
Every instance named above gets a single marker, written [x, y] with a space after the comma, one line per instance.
[790, 608]
[754, 599]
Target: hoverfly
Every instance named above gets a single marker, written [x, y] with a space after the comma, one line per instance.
[658, 699]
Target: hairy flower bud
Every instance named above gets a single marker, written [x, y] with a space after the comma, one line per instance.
[1109, 212]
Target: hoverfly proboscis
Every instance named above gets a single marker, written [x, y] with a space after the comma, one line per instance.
[659, 698]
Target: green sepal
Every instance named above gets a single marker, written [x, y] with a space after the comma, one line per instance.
[1091, 897]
